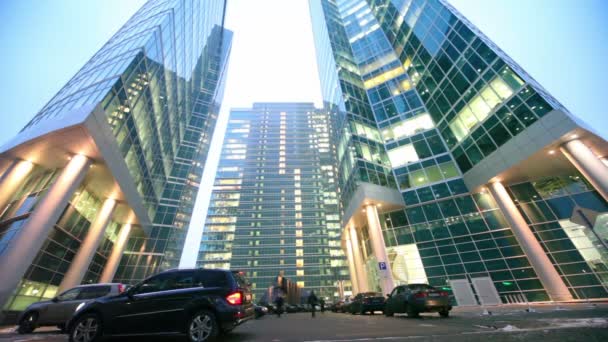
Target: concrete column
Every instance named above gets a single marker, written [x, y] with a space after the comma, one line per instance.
[379, 248]
[119, 247]
[358, 260]
[587, 163]
[12, 179]
[82, 260]
[351, 263]
[24, 247]
[547, 274]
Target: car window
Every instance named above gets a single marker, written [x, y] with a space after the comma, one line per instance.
[92, 292]
[160, 282]
[397, 291]
[183, 280]
[241, 279]
[69, 294]
[211, 279]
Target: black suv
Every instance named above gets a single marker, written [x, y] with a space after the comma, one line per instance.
[197, 302]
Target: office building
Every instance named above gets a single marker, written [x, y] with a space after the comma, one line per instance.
[456, 168]
[99, 185]
[274, 208]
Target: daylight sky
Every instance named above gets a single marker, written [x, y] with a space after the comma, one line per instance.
[563, 44]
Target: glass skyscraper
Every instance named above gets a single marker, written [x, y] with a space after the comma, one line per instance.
[100, 185]
[456, 168]
[274, 207]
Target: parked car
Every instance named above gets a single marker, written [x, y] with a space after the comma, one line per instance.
[416, 298]
[336, 307]
[291, 308]
[367, 302]
[260, 310]
[59, 310]
[344, 308]
[196, 302]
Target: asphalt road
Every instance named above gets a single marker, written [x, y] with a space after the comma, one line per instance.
[581, 322]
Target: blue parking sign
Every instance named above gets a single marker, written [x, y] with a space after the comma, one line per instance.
[382, 265]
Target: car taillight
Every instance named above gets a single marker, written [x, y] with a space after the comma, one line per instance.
[444, 294]
[121, 288]
[235, 298]
[420, 295]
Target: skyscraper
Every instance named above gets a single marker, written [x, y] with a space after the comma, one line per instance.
[457, 169]
[274, 207]
[101, 182]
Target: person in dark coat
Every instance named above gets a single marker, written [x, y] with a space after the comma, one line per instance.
[322, 304]
[312, 301]
[279, 302]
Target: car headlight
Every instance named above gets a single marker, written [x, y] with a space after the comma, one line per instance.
[79, 306]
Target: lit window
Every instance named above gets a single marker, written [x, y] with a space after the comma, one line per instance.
[299, 243]
[299, 273]
[299, 262]
[298, 233]
[402, 155]
[299, 252]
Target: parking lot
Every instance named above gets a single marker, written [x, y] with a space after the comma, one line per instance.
[576, 322]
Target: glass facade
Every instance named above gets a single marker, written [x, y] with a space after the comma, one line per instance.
[419, 97]
[159, 81]
[274, 206]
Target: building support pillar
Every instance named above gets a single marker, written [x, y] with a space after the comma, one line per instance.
[119, 248]
[351, 263]
[88, 248]
[587, 163]
[24, 247]
[358, 260]
[12, 179]
[547, 274]
[379, 248]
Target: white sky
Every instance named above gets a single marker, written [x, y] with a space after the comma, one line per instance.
[272, 60]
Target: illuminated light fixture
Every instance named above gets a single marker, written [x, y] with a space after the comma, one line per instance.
[552, 152]
[574, 136]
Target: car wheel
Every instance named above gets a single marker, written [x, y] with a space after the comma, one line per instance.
[411, 312]
[87, 328]
[388, 313]
[444, 313]
[203, 327]
[28, 323]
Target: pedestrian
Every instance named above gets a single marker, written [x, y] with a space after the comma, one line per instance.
[279, 302]
[312, 301]
[322, 304]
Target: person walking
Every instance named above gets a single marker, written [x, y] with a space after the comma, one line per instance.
[279, 303]
[312, 301]
[322, 304]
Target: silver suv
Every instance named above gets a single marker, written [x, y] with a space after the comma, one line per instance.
[59, 310]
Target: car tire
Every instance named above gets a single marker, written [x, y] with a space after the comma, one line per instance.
[28, 323]
[87, 328]
[445, 313]
[411, 312]
[388, 313]
[202, 326]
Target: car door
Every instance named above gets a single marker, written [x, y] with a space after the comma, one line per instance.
[391, 301]
[401, 299]
[157, 305]
[56, 311]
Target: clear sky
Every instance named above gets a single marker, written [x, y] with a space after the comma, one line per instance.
[563, 44]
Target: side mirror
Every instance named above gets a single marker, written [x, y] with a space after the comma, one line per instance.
[55, 299]
[388, 295]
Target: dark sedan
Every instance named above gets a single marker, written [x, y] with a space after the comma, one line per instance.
[367, 302]
[416, 298]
